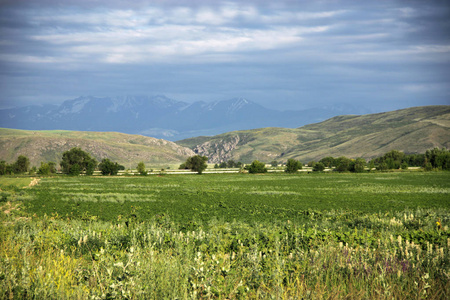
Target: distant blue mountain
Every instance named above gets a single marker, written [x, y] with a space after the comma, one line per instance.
[161, 117]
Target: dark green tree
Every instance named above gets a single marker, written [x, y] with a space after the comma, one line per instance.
[3, 167]
[79, 161]
[328, 161]
[274, 163]
[223, 165]
[257, 167]
[52, 167]
[393, 159]
[318, 167]
[197, 163]
[343, 164]
[358, 165]
[292, 166]
[231, 164]
[438, 158]
[107, 167]
[382, 166]
[21, 165]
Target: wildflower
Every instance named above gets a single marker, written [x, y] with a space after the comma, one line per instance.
[439, 224]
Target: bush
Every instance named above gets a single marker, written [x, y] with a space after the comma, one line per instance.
[318, 167]
[358, 166]
[196, 163]
[108, 167]
[292, 166]
[257, 167]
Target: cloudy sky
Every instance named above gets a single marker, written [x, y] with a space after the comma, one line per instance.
[282, 54]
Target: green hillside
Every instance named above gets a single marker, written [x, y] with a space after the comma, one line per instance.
[411, 130]
[126, 149]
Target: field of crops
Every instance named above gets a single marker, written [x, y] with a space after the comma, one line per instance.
[227, 236]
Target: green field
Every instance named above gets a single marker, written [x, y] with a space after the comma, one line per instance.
[228, 236]
[240, 197]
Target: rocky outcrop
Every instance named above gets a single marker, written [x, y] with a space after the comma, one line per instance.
[218, 150]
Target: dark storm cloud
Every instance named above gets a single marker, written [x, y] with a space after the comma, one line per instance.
[282, 54]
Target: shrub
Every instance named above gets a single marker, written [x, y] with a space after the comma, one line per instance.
[257, 167]
[141, 168]
[292, 166]
[108, 167]
[318, 167]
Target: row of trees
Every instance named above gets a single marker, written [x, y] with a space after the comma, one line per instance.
[76, 161]
[228, 164]
[21, 165]
[432, 159]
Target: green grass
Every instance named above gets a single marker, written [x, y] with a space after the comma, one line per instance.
[241, 197]
[8, 182]
[228, 236]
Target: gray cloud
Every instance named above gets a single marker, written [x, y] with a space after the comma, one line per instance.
[285, 54]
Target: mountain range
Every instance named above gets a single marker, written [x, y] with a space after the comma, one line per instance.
[161, 117]
[411, 130]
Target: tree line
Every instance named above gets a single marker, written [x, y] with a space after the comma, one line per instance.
[437, 159]
[76, 161]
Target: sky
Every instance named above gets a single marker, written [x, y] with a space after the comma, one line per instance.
[287, 55]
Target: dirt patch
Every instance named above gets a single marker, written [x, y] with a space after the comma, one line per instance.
[34, 182]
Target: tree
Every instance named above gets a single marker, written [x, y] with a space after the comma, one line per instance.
[292, 166]
[197, 163]
[318, 167]
[328, 161]
[343, 164]
[52, 167]
[75, 161]
[44, 169]
[47, 168]
[107, 167]
[223, 165]
[358, 166]
[3, 166]
[274, 163]
[393, 159]
[22, 164]
[231, 164]
[438, 158]
[141, 168]
[257, 167]
[382, 167]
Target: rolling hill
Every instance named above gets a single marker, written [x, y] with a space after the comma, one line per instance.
[126, 149]
[411, 130]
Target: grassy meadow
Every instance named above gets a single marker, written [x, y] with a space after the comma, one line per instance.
[227, 236]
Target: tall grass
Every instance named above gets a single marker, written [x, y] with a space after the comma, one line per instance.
[376, 256]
